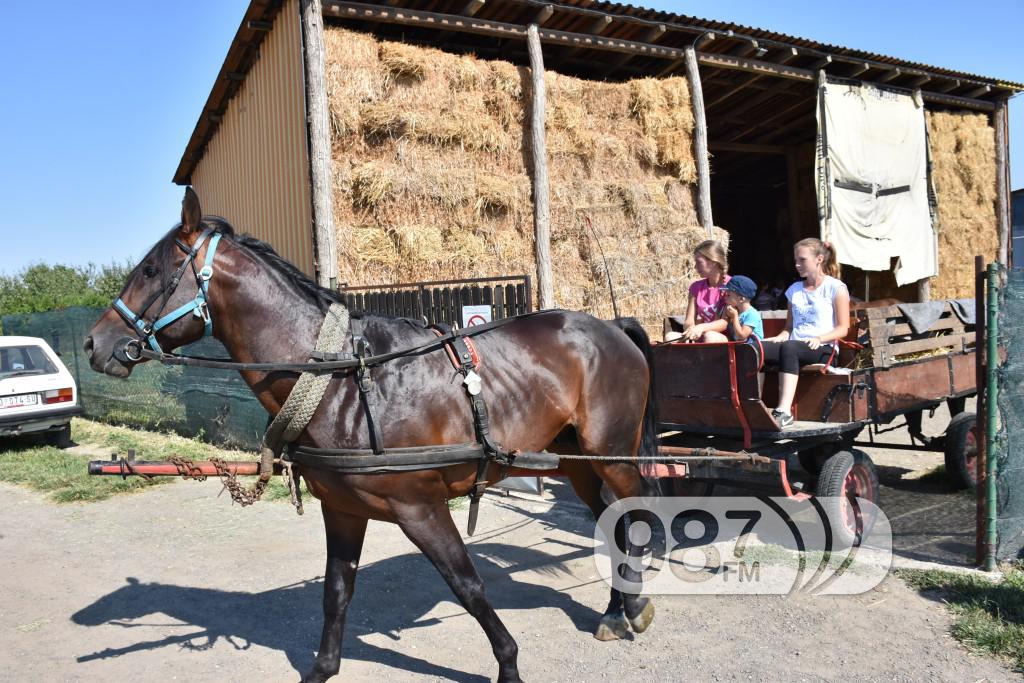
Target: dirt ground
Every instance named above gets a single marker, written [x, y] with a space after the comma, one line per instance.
[178, 584]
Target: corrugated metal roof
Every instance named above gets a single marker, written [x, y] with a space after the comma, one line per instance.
[630, 23]
[782, 38]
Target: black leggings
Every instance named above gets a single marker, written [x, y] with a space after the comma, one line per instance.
[788, 356]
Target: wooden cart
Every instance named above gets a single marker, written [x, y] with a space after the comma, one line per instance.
[710, 395]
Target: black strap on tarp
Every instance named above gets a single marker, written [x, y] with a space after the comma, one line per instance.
[870, 189]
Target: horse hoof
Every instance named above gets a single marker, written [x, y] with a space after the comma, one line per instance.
[642, 621]
[611, 628]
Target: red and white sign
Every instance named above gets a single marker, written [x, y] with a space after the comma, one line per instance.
[476, 315]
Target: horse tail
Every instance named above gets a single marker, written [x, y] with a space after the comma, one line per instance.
[649, 436]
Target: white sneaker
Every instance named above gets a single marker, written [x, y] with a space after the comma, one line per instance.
[784, 419]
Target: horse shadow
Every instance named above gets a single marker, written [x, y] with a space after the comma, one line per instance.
[385, 602]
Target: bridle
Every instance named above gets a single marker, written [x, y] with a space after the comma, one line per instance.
[199, 306]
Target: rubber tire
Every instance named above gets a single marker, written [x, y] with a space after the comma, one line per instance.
[832, 490]
[60, 438]
[960, 438]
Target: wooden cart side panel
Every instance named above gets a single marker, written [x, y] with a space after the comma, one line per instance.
[693, 386]
[963, 371]
[908, 386]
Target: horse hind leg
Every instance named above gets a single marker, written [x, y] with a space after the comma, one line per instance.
[614, 624]
[345, 535]
[434, 533]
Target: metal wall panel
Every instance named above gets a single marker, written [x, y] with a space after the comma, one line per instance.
[255, 169]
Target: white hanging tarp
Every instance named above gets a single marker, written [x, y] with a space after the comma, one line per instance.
[872, 172]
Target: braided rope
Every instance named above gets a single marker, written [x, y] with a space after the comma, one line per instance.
[296, 412]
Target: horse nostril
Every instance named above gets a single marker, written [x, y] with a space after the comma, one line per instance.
[87, 346]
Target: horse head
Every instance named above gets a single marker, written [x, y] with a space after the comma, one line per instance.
[126, 603]
[163, 304]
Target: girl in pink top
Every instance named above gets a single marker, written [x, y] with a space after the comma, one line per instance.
[705, 305]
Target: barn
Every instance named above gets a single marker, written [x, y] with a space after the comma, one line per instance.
[579, 142]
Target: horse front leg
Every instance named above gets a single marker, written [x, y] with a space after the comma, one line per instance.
[433, 531]
[345, 535]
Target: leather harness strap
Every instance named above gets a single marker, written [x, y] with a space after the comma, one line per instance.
[361, 350]
[465, 359]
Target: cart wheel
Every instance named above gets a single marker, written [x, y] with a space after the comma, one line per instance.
[962, 451]
[60, 438]
[845, 476]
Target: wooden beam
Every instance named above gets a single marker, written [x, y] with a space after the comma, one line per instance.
[597, 27]
[700, 141]
[755, 66]
[857, 69]
[819, 63]
[783, 55]
[543, 14]
[319, 130]
[747, 48]
[681, 62]
[917, 82]
[675, 56]
[472, 7]
[1002, 191]
[541, 191]
[653, 35]
[952, 84]
[890, 75]
[743, 85]
[981, 90]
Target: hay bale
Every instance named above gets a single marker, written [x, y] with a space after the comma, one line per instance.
[664, 110]
[431, 179]
[371, 184]
[402, 62]
[964, 173]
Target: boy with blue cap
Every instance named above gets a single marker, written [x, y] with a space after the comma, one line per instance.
[744, 320]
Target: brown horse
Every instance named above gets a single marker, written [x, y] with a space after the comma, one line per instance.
[559, 380]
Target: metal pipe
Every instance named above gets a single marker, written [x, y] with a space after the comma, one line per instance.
[991, 398]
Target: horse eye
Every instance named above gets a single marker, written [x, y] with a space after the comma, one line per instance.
[150, 271]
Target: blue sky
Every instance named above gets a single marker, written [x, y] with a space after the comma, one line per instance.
[101, 99]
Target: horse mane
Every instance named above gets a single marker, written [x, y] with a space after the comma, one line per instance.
[321, 296]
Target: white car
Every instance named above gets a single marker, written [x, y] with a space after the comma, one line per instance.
[37, 393]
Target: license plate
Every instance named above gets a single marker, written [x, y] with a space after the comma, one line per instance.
[19, 400]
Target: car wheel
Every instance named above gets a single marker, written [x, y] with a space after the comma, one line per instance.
[845, 477]
[60, 438]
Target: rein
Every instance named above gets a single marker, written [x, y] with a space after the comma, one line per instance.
[331, 362]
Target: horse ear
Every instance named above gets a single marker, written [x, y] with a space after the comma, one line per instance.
[191, 213]
[132, 581]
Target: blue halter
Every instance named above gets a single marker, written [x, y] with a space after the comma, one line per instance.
[199, 306]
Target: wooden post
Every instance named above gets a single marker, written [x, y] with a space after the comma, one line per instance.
[541, 206]
[1002, 199]
[924, 289]
[700, 141]
[318, 126]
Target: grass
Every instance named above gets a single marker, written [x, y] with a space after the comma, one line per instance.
[63, 475]
[990, 614]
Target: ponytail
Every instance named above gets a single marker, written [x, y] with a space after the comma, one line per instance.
[830, 263]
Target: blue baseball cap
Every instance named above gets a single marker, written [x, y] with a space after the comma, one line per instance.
[742, 285]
